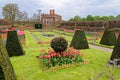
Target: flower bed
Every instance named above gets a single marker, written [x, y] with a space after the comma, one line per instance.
[51, 59]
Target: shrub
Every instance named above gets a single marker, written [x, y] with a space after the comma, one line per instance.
[116, 50]
[59, 44]
[6, 69]
[1, 74]
[38, 26]
[108, 38]
[79, 40]
[51, 59]
[13, 45]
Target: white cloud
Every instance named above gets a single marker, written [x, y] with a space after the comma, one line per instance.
[54, 3]
[69, 8]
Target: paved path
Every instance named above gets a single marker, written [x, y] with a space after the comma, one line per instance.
[101, 48]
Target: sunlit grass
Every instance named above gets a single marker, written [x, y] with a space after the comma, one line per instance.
[28, 67]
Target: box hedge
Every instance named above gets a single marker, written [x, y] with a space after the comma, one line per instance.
[108, 38]
[116, 50]
[13, 44]
[6, 69]
[79, 40]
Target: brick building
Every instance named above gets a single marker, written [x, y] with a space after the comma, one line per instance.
[50, 18]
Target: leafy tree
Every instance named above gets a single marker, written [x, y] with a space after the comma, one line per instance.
[105, 18]
[96, 18]
[10, 12]
[118, 17]
[83, 19]
[77, 18]
[90, 18]
[71, 19]
[111, 17]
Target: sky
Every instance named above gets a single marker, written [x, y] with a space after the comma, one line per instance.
[67, 8]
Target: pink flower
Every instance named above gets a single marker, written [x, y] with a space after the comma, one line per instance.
[47, 56]
[40, 57]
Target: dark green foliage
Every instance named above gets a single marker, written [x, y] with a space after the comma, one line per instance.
[13, 45]
[6, 69]
[1, 74]
[116, 50]
[59, 44]
[38, 26]
[108, 38]
[79, 40]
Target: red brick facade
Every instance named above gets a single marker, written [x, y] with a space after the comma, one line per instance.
[50, 18]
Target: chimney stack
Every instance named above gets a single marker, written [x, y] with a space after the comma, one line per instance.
[52, 12]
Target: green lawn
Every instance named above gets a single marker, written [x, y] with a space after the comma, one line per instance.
[28, 67]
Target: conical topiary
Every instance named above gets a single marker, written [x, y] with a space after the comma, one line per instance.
[108, 38]
[79, 40]
[13, 44]
[116, 50]
[6, 69]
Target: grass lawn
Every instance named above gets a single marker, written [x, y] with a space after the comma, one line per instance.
[28, 67]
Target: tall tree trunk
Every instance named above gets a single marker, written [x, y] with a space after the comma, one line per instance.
[6, 69]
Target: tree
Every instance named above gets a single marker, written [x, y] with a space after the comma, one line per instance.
[34, 17]
[105, 18]
[111, 17]
[96, 18]
[10, 12]
[118, 17]
[25, 18]
[71, 19]
[77, 18]
[90, 18]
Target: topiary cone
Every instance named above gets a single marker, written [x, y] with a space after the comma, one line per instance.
[116, 50]
[79, 40]
[6, 69]
[108, 38]
[13, 45]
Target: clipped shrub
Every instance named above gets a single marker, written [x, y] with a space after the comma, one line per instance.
[59, 44]
[79, 40]
[116, 50]
[108, 38]
[38, 26]
[2, 77]
[13, 45]
[6, 69]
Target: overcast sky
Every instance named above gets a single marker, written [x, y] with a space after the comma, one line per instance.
[67, 8]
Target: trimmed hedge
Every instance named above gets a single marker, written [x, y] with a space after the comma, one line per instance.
[1, 74]
[59, 44]
[6, 69]
[79, 40]
[38, 26]
[108, 38]
[116, 50]
[13, 45]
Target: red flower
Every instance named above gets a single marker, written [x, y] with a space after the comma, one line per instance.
[40, 57]
[41, 51]
[47, 56]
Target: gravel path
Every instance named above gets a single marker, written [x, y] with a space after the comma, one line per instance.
[101, 48]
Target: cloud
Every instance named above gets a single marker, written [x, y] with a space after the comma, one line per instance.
[68, 8]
